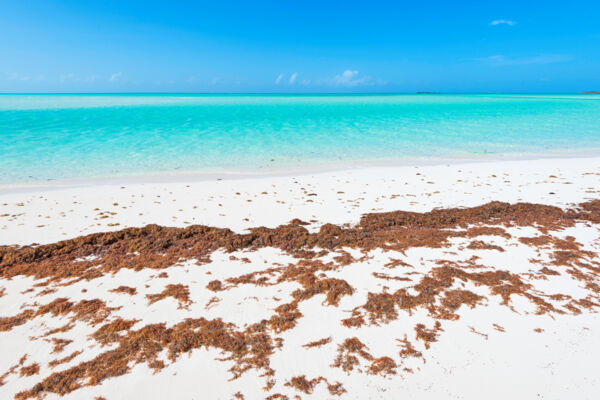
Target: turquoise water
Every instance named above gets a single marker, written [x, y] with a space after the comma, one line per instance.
[47, 137]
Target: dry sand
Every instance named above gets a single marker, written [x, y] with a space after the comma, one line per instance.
[492, 349]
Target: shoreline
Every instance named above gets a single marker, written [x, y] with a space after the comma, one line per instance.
[44, 215]
[285, 171]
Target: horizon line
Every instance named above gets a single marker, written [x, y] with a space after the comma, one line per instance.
[290, 93]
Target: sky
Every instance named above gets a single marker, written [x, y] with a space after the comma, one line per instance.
[299, 46]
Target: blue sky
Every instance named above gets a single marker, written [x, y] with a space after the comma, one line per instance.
[299, 46]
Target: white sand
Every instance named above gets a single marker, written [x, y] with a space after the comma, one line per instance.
[560, 362]
[341, 197]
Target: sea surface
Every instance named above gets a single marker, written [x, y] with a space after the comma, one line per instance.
[60, 137]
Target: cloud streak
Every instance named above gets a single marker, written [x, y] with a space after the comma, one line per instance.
[279, 78]
[349, 78]
[500, 60]
[502, 22]
[16, 76]
[115, 77]
[293, 78]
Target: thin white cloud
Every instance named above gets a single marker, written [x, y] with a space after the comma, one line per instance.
[503, 22]
[279, 78]
[115, 77]
[293, 77]
[500, 60]
[349, 78]
[16, 76]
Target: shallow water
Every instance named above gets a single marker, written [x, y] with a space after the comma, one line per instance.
[48, 137]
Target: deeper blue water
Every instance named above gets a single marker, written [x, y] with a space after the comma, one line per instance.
[47, 137]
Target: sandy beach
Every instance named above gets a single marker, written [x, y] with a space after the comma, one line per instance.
[469, 281]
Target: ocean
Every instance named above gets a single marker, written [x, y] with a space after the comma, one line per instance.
[71, 136]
